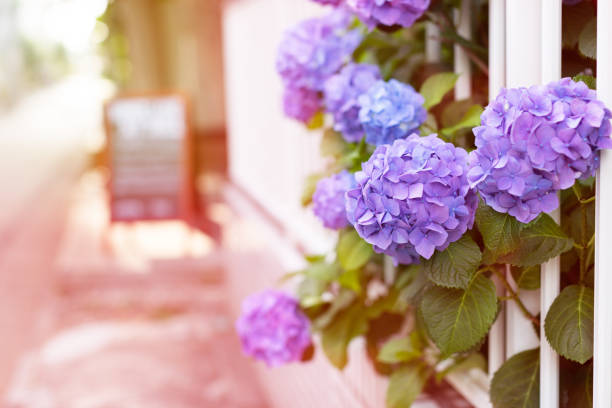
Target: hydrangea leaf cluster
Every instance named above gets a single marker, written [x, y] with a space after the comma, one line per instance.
[272, 328]
[390, 110]
[536, 141]
[308, 55]
[388, 12]
[412, 198]
[328, 202]
[341, 93]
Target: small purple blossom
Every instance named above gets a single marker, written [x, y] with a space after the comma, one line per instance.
[390, 110]
[388, 12]
[412, 198]
[273, 328]
[341, 97]
[328, 202]
[301, 103]
[536, 141]
[329, 2]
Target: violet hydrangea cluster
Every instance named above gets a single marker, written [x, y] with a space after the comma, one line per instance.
[341, 93]
[309, 54]
[273, 328]
[328, 199]
[390, 110]
[536, 141]
[388, 12]
[412, 198]
[328, 2]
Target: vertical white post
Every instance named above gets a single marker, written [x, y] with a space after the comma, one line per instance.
[602, 353]
[497, 80]
[463, 19]
[523, 68]
[551, 271]
[433, 46]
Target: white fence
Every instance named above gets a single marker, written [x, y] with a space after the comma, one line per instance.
[270, 155]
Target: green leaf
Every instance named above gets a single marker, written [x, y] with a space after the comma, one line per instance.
[500, 232]
[569, 323]
[469, 120]
[464, 364]
[455, 266]
[539, 241]
[351, 279]
[589, 80]
[527, 278]
[405, 385]
[436, 86]
[353, 252]
[316, 121]
[309, 292]
[401, 349]
[332, 144]
[348, 324]
[517, 382]
[310, 185]
[587, 42]
[458, 319]
[342, 301]
[322, 271]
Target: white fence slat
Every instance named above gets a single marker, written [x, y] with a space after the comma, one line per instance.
[602, 355]
[497, 80]
[550, 278]
[463, 19]
[433, 46]
[523, 68]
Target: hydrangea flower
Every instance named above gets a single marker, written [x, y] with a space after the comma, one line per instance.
[301, 103]
[536, 141]
[388, 12]
[272, 328]
[390, 110]
[328, 199]
[412, 198]
[329, 2]
[316, 49]
[341, 93]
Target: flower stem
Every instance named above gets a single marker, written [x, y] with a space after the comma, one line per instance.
[514, 296]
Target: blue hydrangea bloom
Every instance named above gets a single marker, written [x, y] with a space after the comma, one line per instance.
[328, 202]
[341, 93]
[388, 12]
[412, 198]
[536, 141]
[273, 328]
[390, 110]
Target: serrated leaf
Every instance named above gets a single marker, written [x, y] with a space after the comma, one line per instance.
[353, 252]
[469, 120]
[458, 319]
[517, 382]
[500, 232]
[455, 266]
[569, 323]
[400, 350]
[348, 324]
[527, 278]
[539, 241]
[436, 86]
[405, 385]
[587, 42]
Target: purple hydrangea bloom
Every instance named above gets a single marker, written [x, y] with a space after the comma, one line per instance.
[388, 12]
[328, 202]
[329, 2]
[315, 49]
[536, 141]
[272, 328]
[412, 198]
[301, 103]
[390, 110]
[341, 93]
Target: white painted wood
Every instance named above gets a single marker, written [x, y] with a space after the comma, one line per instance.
[497, 80]
[523, 68]
[433, 46]
[550, 278]
[463, 19]
[602, 356]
